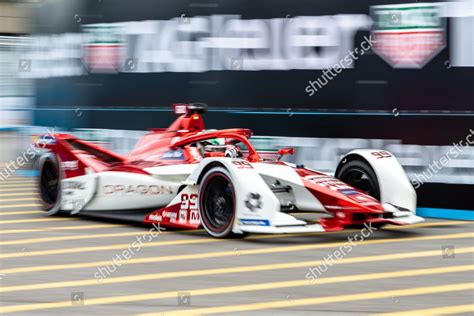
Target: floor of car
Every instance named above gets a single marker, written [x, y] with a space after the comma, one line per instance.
[136, 216]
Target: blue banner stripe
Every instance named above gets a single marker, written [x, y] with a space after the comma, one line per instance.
[467, 215]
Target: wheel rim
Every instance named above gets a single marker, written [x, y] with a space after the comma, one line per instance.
[49, 182]
[360, 179]
[218, 202]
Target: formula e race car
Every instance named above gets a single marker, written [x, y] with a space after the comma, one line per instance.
[187, 176]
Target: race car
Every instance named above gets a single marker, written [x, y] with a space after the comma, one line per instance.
[189, 177]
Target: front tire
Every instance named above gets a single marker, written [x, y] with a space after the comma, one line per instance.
[50, 183]
[359, 174]
[217, 202]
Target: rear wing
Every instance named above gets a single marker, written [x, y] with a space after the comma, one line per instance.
[76, 155]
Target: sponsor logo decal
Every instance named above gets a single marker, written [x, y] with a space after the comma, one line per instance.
[408, 35]
[195, 217]
[255, 222]
[171, 215]
[349, 192]
[182, 216]
[155, 217]
[180, 108]
[74, 185]
[70, 165]
[328, 182]
[173, 154]
[253, 202]
[141, 189]
[47, 140]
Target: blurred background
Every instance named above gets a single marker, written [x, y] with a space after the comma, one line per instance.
[108, 70]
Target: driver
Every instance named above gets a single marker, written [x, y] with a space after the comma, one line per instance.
[232, 151]
[218, 148]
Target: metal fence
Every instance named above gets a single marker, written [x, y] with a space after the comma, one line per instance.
[16, 93]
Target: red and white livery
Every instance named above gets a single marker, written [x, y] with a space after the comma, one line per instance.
[188, 177]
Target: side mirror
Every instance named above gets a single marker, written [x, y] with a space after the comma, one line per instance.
[286, 151]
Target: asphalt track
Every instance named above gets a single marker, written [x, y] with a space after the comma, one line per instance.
[49, 266]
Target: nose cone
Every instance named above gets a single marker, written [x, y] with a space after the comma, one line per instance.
[336, 195]
[358, 199]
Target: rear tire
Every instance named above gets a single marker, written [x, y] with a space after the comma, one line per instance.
[217, 203]
[50, 183]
